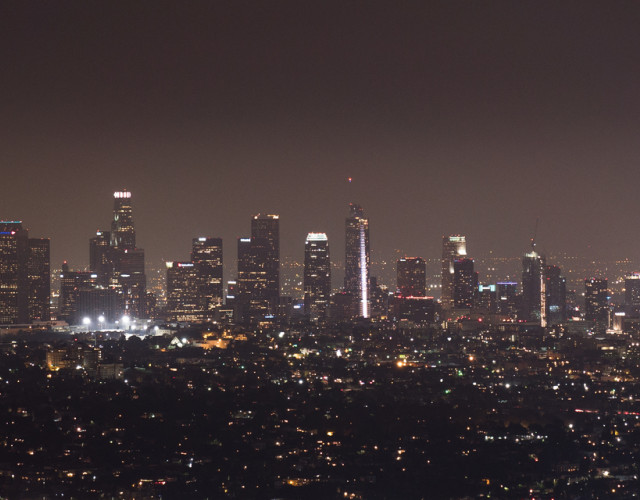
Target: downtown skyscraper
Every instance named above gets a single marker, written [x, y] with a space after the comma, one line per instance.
[258, 281]
[183, 299]
[556, 294]
[534, 296]
[265, 239]
[25, 289]
[596, 303]
[632, 295]
[206, 254]
[128, 260]
[453, 247]
[357, 258]
[465, 283]
[194, 288]
[317, 276]
[115, 286]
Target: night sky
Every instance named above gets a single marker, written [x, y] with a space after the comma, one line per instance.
[451, 117]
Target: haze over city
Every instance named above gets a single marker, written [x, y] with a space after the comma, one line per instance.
[450, 118]
[322, 250]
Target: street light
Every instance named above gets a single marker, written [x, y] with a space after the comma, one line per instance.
[86, 321]
[125, 321]
[101, 321]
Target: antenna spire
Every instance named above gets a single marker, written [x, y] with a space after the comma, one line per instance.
[535, 232]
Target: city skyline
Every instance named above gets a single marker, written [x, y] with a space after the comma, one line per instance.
[319, 250]
[473, 120]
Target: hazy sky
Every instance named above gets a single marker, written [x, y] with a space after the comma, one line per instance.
[452, 117]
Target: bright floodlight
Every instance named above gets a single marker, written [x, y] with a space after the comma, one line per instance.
[126, 319]
[100, 319]
[86, 320]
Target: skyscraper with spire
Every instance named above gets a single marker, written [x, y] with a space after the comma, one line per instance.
[534, 297]
[118, 264]
[357, 258]
[123, 234]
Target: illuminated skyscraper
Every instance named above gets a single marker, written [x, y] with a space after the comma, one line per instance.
[533, 288]
[24, 275]
[123, 233]
[357, 258]
[317, 276]
[465, 283]
[39, 280]
[453, 247]
[596, 303]
[183, 301]
[206, 254]
[128, 261]
[258, 290]
[411, 277]
[265, 240]
[13, 273]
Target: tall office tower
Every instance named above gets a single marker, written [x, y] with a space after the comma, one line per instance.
[632, 295]
[72, 284]
[453, 247]
[596, 303]
[128, 261]
[507, 298]
[556, 290]
[246, 282]
[357, 258]
[206, 254]
[131, 280]
[317, 276]
[183, 303]
[123, 234]
[100, 255]
[14, 251]
[411, 277]
[465, 282]
[265, 240]
[252, 301]
[25, 289]
[39, 280]
[533, 288]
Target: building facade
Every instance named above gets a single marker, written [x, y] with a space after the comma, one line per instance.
[25, 290]
[206, 254]
[411, 277]
[357, 258]
[453, 247]
[465, 283]
[533, 307]
[596, 303]
[317, 276]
